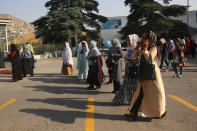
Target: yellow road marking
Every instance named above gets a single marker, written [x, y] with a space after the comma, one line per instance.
[184, 102]
[7, 103]
[89, 123]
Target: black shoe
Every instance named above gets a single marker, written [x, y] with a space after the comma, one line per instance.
[164, 115]
[99, 87]
[133, 117]
[113, 92]
[90, 87]
[108, 83]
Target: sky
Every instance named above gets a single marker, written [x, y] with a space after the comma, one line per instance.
[30, 10]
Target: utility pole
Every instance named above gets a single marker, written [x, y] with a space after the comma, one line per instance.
[188, 12]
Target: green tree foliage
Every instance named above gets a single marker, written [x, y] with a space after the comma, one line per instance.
[68, 20]
[148, 15]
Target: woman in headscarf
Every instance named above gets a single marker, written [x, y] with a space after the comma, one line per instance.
[164, 53]
[124, 96]
[193, 48]
[188, 46]
[20, 49]
[67, 67]
[116, 54]
[82, 62]
[109, 64]
[178, 58]
[30, 47]
[95, 66]
[16, 63]
[27, 61]
[170, 50]
[149, 97]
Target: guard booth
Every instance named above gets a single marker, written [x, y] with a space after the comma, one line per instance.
[3, 40]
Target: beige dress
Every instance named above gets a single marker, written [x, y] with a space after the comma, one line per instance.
[154, 102]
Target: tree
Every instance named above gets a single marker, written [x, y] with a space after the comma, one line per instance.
[67, 20]
[146, 15]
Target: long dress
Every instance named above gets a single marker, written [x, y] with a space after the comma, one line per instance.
[82, 62]
[16, 65]
[67, 67]
[27, 61]
[153, 101]
[95, 72]
[124, 96]
[117, 68]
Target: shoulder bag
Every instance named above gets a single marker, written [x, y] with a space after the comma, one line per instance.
[134, 69]
[147, 69]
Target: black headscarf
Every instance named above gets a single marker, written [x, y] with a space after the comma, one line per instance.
[13, 47]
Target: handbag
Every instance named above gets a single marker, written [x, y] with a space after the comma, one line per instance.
[133, 69]
[109, 62]
[147, 69]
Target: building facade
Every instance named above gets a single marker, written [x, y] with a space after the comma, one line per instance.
[111, 28]
[3, 40]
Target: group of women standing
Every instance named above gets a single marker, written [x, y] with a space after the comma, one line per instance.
[149, 97]
[144, 95]
[22, 62]
[89, 63]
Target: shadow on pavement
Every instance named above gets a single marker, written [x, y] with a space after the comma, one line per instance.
[66, 90]
[56, 78]
[68, 117]
[76, 103]
[189, 70]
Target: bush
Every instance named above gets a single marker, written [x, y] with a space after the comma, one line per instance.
[43, 49]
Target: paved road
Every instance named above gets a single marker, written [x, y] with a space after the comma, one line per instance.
[54, 102]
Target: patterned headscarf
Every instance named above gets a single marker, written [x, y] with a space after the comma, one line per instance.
[108, 44]
[152, 38]
[133, 39]
[26, 53]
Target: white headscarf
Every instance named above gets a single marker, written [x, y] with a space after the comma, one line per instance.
[163, 41]
[133, 39]
[116, 43]
[67, 55]
[93, 49]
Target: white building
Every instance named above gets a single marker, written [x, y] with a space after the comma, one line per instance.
[114, 24]
[3, 40]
